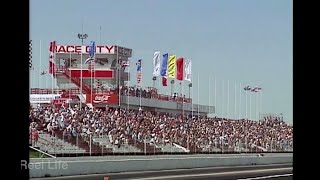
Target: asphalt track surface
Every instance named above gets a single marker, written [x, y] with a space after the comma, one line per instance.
[274, 171]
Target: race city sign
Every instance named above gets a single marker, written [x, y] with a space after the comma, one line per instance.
[85, 49]
[122, 51]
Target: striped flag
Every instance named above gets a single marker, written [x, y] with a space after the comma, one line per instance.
[30, 55]
[172, 66]
[139, 73]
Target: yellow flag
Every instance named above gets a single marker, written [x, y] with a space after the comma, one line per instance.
[172, 66]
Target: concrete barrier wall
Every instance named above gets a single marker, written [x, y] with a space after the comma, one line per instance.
[60, 167]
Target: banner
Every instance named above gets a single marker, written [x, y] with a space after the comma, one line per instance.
[187, 69]
[164, 64]
[107, 98]
[180, 67]
[43, 98]
[172, 66]
[91, 49]
[156, 64]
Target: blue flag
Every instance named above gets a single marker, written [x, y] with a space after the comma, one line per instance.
[91, 49]
[164, 65]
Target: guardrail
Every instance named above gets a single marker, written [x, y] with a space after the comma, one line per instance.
[61, 167]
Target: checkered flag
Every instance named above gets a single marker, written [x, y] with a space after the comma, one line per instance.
[30, 54]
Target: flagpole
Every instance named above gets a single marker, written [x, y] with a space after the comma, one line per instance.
[118, 68]
[209, 94]
[246, 104]
[260, 102]
[81, 78]
[235, 100]
[69, 79]
[140, 83]
[240, 101]
[198, 95]
[182, 99]
[55, 68]
[228, 102]
[256, 96]
[128, 92]
[222, 103]
[52, 65]
[40, 66]
[191, 96]
[250, 106]
[81, 66]
[91, 84]
[215, 95]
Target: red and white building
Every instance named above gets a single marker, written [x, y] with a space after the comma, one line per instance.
[99, 80]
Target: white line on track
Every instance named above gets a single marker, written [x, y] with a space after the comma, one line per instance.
[214, 174]
[265, 177]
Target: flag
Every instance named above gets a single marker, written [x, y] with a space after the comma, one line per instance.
[187, 69]
[156, 64]
[30, 54]
[172, 66]
[180, 67]
[139, 73]
[164, 69]
[164, 81]
[247, 88]
[52, 50]
[164, 65]
[91, 49]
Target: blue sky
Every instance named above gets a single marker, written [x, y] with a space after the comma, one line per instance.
[247, 41]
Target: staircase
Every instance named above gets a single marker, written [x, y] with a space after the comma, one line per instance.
[86, 88]
[95, 149]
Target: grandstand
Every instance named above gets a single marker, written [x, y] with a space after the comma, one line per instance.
[101, 115]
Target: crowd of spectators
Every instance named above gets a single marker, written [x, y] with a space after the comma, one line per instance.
[162, 128]
[148, 92]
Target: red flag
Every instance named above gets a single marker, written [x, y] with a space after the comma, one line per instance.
[180, 68]
[52, 47]
[164, 81]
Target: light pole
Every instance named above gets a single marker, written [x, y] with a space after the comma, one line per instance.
[154, 78]
[82, 37]
[190, 85]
